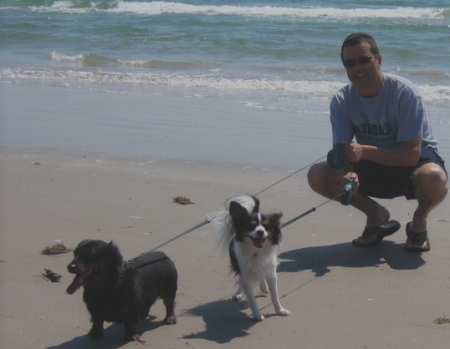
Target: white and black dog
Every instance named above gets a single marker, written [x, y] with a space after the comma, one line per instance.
[253, 239]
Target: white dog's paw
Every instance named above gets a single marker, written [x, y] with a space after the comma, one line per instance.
[257, 317]
[283, 312]
[237, 297]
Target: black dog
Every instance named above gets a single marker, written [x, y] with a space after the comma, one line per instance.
[120, 292]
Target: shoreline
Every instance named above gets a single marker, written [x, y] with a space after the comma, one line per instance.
[157, 125]
[331, 288]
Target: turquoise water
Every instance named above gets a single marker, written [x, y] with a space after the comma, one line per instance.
[278, 56]
[222, 46]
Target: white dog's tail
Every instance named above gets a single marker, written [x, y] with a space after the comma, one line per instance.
[222, 220]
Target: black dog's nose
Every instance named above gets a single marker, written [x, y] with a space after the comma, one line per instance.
[260, 233]
[71, 267]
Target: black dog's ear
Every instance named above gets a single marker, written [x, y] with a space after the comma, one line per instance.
[115, 254]
[113, 247]
[84, 242]
[80, 246]
[236, 210]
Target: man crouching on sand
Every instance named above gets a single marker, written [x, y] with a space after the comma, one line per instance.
[394, 153]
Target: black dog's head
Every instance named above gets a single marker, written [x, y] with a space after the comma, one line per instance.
[256, 226]
[94, 260]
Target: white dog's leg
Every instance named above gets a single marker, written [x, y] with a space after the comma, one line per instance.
[238, 295]
[250, 295]
[263, 287]
[272, 282]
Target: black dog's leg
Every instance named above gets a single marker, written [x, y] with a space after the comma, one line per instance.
[169, 302]
[145, 312]
[97, 328]
[131, 329]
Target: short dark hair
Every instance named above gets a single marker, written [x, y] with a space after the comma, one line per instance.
[358, 38]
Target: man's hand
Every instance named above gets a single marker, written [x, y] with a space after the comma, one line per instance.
[351, 175]
[353, 152]
[403, 154]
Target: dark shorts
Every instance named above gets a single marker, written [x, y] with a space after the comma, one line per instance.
[388, 182]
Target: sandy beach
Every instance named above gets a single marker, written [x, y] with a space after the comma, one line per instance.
[111, 109]
[339, 296]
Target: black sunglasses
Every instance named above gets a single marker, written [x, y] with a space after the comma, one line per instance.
[361, 61]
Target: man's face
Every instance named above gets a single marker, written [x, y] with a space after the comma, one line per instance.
[365, 72]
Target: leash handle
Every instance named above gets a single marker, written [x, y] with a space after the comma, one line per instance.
[347, 192]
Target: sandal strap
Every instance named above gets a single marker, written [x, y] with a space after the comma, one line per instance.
[419, 236]
[388, 228]
[416, 237]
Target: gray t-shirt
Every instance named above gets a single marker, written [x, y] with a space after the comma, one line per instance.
[396, 114]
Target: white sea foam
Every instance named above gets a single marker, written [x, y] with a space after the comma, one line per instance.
[162, 7]
[304, 87]
[309, 89]
[61, 57]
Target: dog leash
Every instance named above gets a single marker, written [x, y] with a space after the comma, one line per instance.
[206, 221]
[335, 158]
[294, 173]
[346, 197]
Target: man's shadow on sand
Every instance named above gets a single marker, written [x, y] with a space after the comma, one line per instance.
[319, 259]
[112, 336]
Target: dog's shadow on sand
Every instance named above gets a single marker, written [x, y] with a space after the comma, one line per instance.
[319, 259]
[112, 336]
[217, 316]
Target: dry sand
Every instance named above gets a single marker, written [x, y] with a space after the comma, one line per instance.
[339, 296]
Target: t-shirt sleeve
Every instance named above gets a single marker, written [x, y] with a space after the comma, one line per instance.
[340, 122]
[411, 115]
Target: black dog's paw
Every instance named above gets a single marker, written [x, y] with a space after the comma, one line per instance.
[95, 334]
[170, 320]
[133, 337]
[96, 330]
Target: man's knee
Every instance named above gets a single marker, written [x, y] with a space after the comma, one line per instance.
[321, 176]
[431, 181]
[315, 175]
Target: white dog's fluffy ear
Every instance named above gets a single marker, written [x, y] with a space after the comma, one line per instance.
[276, 216]
[220, 221]
[246, 201]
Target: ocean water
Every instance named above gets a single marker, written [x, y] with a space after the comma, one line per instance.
[278, 56]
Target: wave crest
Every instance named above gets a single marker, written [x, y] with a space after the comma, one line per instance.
[163, 7]
[302, 88]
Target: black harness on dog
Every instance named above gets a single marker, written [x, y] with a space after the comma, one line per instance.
[129, 264]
